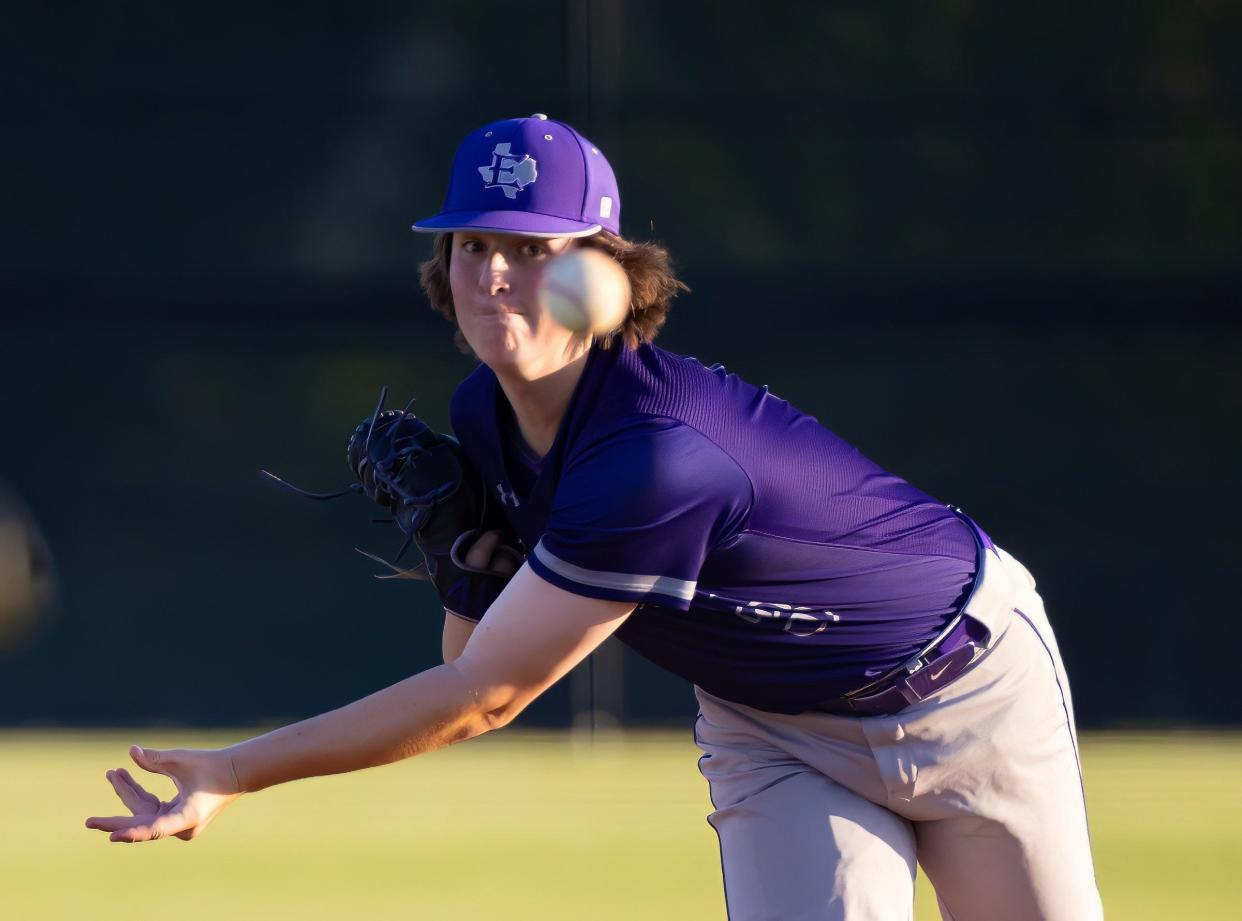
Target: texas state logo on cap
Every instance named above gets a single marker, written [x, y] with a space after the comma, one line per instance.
[533, 176]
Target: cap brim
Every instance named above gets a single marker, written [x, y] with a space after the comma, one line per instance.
[526, 223]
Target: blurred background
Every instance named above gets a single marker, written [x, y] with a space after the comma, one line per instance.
[997, 247]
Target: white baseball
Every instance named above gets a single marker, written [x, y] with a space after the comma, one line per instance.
[586, 291]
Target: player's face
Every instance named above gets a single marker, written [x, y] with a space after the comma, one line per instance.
[493, 277]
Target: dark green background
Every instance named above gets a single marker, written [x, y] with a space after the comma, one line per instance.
[995, 246]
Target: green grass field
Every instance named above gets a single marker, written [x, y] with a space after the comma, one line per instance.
[526, 826]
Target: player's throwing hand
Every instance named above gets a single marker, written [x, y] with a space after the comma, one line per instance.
[205, 785]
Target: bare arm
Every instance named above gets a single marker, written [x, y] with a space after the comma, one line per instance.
[532, 636]
[457, 632]
[424, 712]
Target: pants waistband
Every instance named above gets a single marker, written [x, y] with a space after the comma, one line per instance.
[979, 624]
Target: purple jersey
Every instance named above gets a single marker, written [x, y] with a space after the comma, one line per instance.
[772, 563]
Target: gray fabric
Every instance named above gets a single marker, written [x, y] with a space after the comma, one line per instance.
[823, 817]
[621, 581]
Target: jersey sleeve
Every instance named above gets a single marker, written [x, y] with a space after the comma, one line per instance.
[635, 515]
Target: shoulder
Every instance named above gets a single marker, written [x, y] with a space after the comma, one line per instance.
[647, 458]
[648, 381]
[655, 369]
[654, 381]
[636, 514]
[643, 438]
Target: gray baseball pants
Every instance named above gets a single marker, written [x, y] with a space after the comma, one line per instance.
[824, 817]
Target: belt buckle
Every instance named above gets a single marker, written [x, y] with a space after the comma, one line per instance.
[921, 680]
[914, 667]
[940, 672]
[911, 666]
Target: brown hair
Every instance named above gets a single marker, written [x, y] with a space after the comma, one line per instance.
[653, 285]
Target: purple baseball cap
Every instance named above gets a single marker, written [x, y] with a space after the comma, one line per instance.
[533, 176]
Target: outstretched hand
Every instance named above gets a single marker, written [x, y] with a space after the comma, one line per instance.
[205, 786]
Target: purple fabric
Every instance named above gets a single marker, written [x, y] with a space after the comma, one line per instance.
[532, 176]
[774, 565]
[523, 465]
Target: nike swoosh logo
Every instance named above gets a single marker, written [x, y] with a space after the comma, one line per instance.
[872, 672]
[935, 675]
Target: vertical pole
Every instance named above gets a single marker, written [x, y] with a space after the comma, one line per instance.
[593, 64]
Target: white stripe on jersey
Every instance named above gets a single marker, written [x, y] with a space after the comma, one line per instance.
[620, 581]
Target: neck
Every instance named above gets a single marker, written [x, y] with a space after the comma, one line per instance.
[539, 403]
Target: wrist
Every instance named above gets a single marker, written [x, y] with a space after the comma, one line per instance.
[228, 777]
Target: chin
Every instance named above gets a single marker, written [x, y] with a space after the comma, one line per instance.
[497, 350]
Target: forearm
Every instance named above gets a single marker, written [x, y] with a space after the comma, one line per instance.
[427, 711]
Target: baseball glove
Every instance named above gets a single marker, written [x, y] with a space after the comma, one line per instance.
[437, 500]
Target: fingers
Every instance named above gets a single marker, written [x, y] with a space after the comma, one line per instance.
[149, 759]
[483, 555]
[159, 762]
[506, 562]
[131, 829]
[128, 779]
[131, 793]
[163, 827]
[152, 817]
[480, 554]
[115, 822]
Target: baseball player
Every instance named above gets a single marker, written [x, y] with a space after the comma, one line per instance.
[877, 680]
